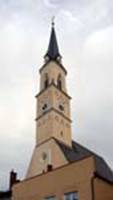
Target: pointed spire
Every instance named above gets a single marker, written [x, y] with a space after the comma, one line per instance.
[53, 50]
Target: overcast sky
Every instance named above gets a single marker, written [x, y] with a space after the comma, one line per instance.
[85, 35]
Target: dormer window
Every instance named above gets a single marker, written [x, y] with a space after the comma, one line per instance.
[59, 59]
[46, 59]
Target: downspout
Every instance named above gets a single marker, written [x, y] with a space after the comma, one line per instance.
[92, 186]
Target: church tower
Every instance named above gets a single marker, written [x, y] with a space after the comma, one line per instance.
[60, 168]
[53, 121]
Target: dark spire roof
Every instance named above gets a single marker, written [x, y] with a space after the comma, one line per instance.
[53, 50]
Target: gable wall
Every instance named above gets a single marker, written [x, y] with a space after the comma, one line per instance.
[55, 157]
[72, 177]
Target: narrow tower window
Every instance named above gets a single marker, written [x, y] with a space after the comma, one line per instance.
[59, 82]
[46, 82]
[61, 133]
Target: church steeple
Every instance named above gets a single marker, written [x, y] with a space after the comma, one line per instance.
[53, 49]
[53, 119]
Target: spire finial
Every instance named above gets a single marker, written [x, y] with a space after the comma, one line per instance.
[53, 50]
[53, 21]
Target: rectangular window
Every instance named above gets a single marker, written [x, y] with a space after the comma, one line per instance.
[50, 198]
[71, 196]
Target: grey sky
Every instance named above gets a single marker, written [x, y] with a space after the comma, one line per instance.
[85, 36]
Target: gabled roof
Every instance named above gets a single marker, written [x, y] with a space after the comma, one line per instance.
[78, 152]
[53, 50]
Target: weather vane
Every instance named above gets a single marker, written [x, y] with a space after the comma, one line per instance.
[53, 20]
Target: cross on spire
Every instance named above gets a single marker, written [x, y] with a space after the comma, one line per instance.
[53, 21]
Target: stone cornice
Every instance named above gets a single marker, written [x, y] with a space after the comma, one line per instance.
[55, 110]
[53, 84]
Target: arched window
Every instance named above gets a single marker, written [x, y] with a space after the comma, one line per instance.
[46, 82]
[59, 82]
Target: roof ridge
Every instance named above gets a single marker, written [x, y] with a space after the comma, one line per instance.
[61, 142]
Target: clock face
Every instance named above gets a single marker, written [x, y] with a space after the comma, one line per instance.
[45, 107]
[61, 107]
[61, 104]
[44, 103]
